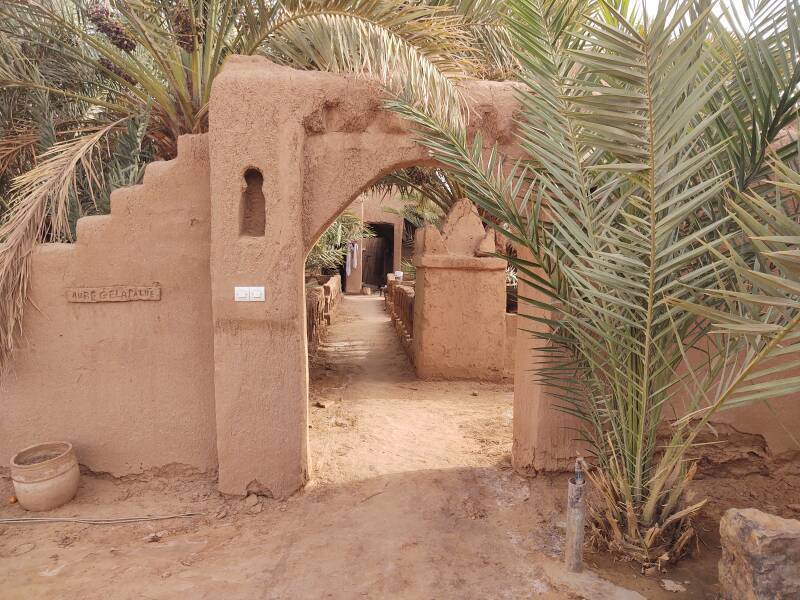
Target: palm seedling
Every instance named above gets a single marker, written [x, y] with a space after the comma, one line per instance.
[645, 141]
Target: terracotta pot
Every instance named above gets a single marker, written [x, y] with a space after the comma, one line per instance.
[45, 476]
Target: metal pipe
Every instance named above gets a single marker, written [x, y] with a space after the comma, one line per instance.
[576, 517]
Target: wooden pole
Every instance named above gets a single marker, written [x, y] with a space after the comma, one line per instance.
[576, 516]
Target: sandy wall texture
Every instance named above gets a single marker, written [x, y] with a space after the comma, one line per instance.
[130, 383]
[460, 302]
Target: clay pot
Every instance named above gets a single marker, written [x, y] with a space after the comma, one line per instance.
[45, 476]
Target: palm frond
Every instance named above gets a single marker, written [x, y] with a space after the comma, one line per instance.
[621, 206]
[762, 96]
[330, 250]
[40, 209]
[411, 49]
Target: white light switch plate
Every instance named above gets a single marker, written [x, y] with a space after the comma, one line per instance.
[242, 293]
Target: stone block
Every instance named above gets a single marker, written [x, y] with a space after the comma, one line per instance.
[760, 556]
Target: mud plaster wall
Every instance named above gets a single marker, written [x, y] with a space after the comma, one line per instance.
[459, 322]
[457, 288]
[778, 423]
[129, 383]
[371, 206]
[544, 437]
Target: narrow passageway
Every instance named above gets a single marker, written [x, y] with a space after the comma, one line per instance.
[370, 415]
[361, 343]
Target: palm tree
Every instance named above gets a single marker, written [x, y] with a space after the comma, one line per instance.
[648, 142]
[330, 251]
[91, 90]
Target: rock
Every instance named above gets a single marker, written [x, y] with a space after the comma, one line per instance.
[760, 556]
[794, 507]
[221, 513]
[319, 404]
[251, 500]
[254, 510]
[474, 393]
[155, 537]
[672, 586]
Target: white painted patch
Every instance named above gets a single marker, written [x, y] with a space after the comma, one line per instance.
[672, 586]
[52, 572]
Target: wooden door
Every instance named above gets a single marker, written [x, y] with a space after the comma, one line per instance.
[374, 259]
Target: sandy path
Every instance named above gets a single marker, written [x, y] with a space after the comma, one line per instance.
[379, 419]
[412, 497]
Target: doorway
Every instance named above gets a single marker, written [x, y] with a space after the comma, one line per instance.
[378, 255]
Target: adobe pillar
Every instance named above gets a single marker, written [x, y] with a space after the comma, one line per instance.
[260, 368]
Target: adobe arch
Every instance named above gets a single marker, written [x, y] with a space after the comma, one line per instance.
[319, 140]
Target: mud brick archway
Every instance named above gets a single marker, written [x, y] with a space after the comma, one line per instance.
[319, 140]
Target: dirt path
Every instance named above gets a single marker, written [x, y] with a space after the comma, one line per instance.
[380, 420]
[412, 497]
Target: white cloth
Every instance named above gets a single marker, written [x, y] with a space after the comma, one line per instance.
[351, 261]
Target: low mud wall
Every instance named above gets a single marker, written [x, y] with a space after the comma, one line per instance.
[453, 323]
[321, 301]
[399, 302]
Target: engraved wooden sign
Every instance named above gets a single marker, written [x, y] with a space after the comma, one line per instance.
[114, 293]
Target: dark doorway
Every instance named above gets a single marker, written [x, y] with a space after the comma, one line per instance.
[378, 255]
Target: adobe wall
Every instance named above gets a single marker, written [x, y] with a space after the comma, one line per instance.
[129, 383]
[460, 300]
[778, 423]
[321, 302]
[195, 377]
[544, 437]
